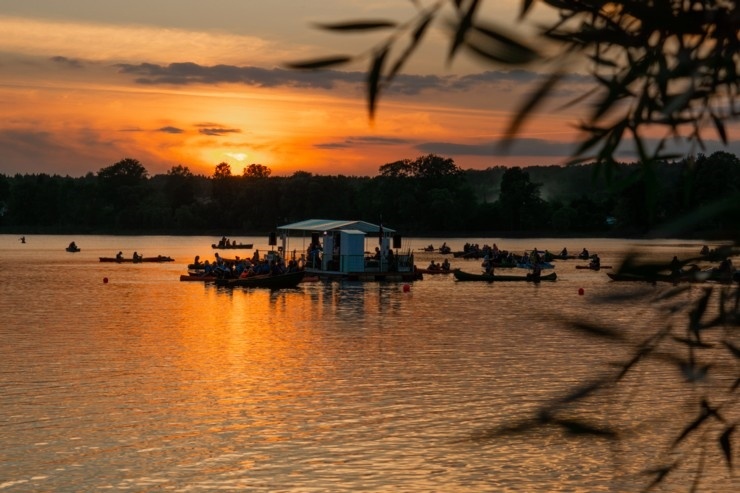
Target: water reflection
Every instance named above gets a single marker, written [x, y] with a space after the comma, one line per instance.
[146, 383]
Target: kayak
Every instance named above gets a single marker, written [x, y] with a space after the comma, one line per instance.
[467, 276]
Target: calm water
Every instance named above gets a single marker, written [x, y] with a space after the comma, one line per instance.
[145, 383]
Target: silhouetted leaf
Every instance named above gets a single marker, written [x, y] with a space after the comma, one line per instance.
[733, 349]
[526, 5]
[319, 63]
[598, 331]
[719, 124]
[537, 98]
[692, 343]
[705, 412]
[726, 444]
[361, 25]
[415, 39]
[463, 25]
[584, 391]
[373, 80]
[575, 427]
[490, 42]
[660, 474]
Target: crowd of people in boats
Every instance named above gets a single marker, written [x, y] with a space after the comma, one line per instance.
[444, 249]
[241, 268]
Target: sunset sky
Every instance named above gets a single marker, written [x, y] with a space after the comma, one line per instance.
[85, 83]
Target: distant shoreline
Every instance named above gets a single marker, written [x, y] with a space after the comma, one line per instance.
[703, 235]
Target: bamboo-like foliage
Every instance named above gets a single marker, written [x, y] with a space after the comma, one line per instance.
[671, 65]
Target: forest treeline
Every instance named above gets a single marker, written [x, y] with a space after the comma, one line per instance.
[429, 195]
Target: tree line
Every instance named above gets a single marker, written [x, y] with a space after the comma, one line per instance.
[429, 195]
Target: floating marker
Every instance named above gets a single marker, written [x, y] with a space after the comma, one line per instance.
[105, 280]
[580, 291]
[406, 288]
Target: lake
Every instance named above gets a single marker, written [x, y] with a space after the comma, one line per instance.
[121, 377]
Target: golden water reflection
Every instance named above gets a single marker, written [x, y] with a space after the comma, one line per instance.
[146, 383]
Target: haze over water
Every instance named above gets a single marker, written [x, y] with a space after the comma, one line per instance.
[145, 383]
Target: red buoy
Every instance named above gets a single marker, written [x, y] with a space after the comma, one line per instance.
[105, 280]
[580, 291]
[406, 288]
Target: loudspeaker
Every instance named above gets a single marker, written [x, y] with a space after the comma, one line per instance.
[273, 239]
[396, 241]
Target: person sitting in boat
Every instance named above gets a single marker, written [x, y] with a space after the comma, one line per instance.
[72, 246]
[595, 262]
[196, 263]
[119, 256]
[536, 271]
[390, 259]
[675, 266]
[705, 250]
[584, 254]
[725, 266]
[433, 266]
[136, 257]
[564, 253]
[276, 268]
[446, 265]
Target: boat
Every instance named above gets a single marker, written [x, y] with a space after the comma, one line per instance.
[194, 277]
[593, 267]
[281, 281]
[336, 250]
[232, 246]
[434, 271]
[73, 249]
[467, 276]
[158, 258]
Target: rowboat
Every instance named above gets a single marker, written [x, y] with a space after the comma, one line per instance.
[282, 281]
[232, 246]
[467, 276]
[158, 258]
[73, 250]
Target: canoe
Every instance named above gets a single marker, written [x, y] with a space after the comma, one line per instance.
[283, 281]
[435, 271]
[245, 246]
[159, 258]
[593, 268]
[467, 276]
[73, 250]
